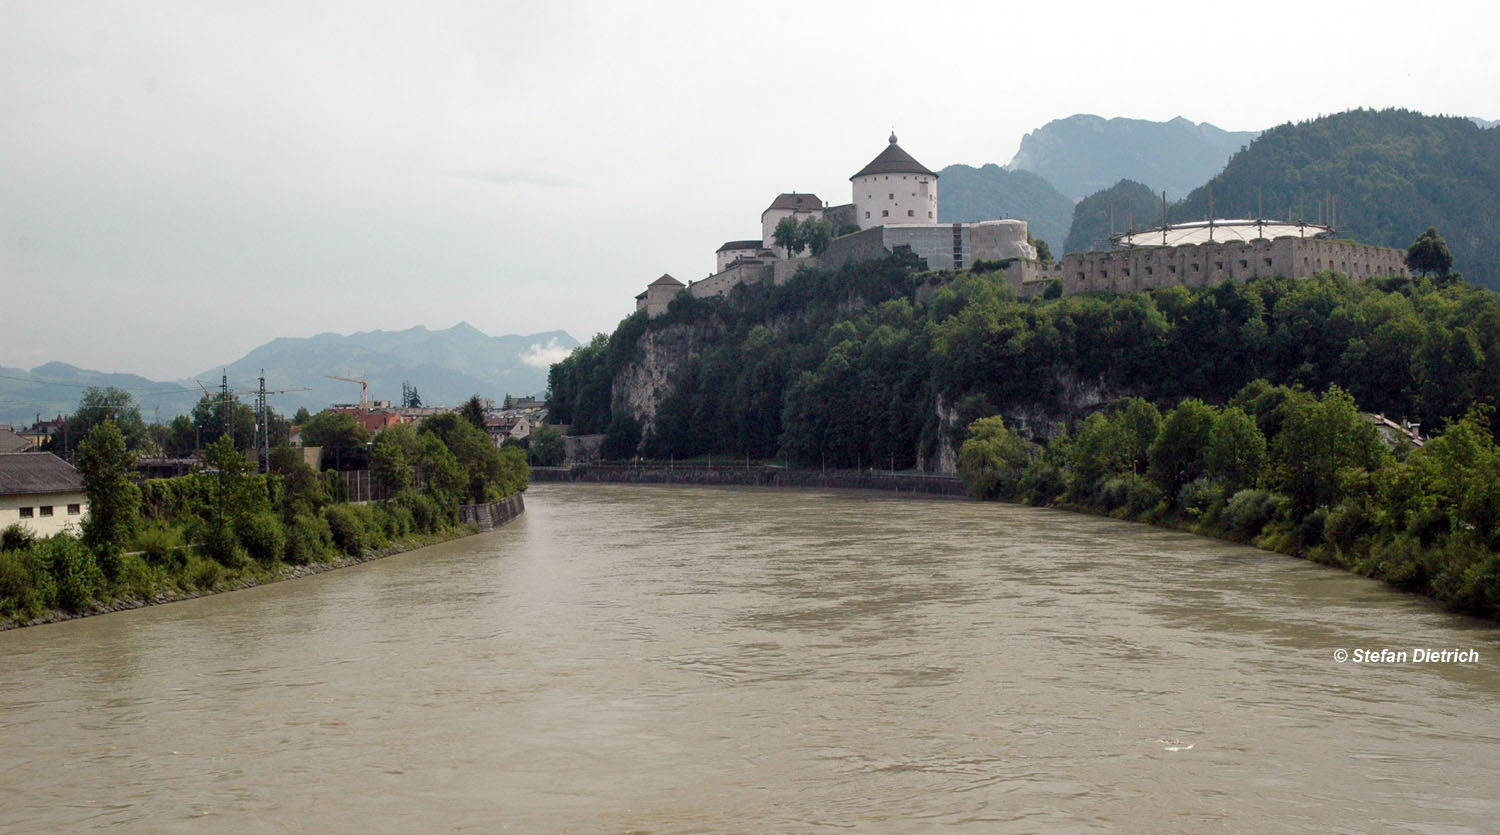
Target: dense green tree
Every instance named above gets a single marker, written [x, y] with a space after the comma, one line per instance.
[390, 460]
[815, 233]
[1177, 454]
[1429, 255]
[545, 446]
[1236, 451]
[473, 411]
[1317, 440]
[96, 406]
[993, 461]
[622, 438]
[108, 470]
[215, 416]
[788, 235]
[338, 433]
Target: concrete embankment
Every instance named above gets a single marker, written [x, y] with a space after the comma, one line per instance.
[931, 485]
[486, 517]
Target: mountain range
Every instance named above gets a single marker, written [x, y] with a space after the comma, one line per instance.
[446, 366]
[1083, 153]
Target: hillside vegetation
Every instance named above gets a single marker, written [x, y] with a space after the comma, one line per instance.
[1393, 173]
[884, 364]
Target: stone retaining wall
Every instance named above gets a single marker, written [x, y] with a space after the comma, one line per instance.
[492, 515]
[752, 476]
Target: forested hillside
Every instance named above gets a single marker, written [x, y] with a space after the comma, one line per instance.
[1392, 174]
[852, 366]
[1125, 205]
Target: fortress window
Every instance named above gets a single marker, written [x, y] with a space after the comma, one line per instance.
[867, 215]
[885, 212]
[1244, 263]
[1127, 272]
[929, 215]
[910, 213]
[890, 196]
[1268, 262]
[1218, 265]
[1150, 271]
[1172, 268]
[1195, 268]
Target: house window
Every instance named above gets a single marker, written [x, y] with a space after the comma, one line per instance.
[46, 510]
[28, 512]
[910, 213]
[74, 509]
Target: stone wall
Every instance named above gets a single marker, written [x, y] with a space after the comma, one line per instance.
[493, 514]
[1202, 265]
[719, 284]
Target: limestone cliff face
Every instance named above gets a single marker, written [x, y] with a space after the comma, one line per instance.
[652, 373]
[1037, 421]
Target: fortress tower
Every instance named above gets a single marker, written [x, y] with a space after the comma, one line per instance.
[894, 189]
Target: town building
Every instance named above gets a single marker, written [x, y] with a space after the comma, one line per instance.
[12, 441]
[42, 493]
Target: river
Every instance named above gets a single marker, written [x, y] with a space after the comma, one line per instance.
[662, 659]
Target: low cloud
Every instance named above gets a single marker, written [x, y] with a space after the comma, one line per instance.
[543, 356]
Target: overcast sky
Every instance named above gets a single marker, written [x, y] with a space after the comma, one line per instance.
[180, 182]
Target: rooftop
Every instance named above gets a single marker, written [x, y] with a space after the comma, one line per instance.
[733, 245]
[893, 160]
[795, 201]
[37, 472]
[667, 280]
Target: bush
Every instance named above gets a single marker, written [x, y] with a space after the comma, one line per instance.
[1249, 511]
[137, 579]
[16, 538]
[1044, 482]
[1131, 493]
[1199, 495]
[400, 521]
[426, 514]
[73, 568]
[203, 574]
[347, 527]
[1346, 524]
[159, 546]
[220, 543]
[308, 538]
[262, 536]
[26, 587]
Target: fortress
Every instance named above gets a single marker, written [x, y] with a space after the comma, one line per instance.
[895, 204]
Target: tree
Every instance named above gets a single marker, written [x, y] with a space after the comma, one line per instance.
[1319, 439]
[473, 412]
[216, 416]
[545, 446]
[1177, 454]
[336, 432]
[1236, 451]
[788, 235]
[993, 460]
[1429, 254]
[815, 234]
[389, 458]
[302, 416]
[1043, 251]
[96, 406]
[622, 438]
[108, 467]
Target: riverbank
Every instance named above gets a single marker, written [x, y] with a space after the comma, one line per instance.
[474, 519]
[751, 476]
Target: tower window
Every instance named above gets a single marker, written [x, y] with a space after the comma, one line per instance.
[910, 213]
[890, 197]
[867, 214]
[885, 212]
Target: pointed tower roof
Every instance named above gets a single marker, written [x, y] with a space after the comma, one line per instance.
[667, 280]
[893, 160]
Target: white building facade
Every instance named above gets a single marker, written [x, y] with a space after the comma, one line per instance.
[894, 188]
[41, 493]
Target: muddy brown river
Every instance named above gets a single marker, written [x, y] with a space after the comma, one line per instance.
[666, 659]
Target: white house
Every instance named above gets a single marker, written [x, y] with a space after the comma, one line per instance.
[41, 493]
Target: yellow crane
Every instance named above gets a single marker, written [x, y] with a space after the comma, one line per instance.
[364, 388]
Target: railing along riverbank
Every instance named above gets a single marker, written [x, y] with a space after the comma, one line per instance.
[750, 476]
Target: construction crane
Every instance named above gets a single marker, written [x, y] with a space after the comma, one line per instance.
[364, 388]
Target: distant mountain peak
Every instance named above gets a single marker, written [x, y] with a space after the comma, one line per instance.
[1083, 153]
